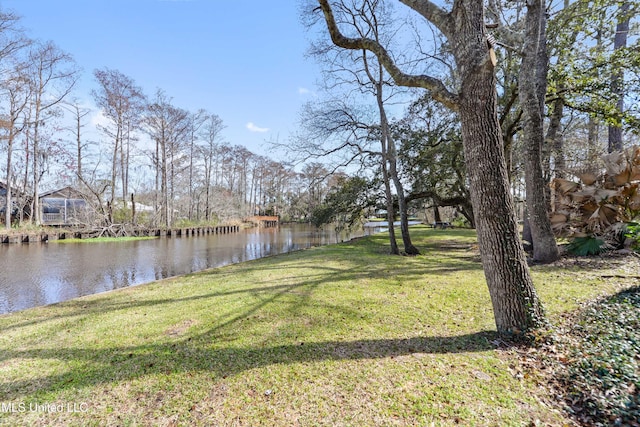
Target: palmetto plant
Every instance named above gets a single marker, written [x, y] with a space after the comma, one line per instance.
[602, 202]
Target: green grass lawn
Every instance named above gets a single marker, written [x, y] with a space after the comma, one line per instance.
[336, 335]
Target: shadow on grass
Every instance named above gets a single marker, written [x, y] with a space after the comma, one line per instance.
[90, 367]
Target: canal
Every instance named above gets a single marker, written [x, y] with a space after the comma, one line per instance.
[39, 274]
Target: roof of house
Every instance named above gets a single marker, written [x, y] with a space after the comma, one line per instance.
[67, 192]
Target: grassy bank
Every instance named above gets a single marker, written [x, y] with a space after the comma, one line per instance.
[336, 335]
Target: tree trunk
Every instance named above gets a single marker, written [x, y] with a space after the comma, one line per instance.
[555, 138]
[531, 88]
[593, 143]
[35, 203]
[78, 142]
[133, 210]
[27, 163]
[156, 198]
[389, 158]
[123, 169]
[164, 183]
[527, 238]
[390, 211]
[617, 79]
[515, 303]
[191, 183]
[9, 178]
[114, 171]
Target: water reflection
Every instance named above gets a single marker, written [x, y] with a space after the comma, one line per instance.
[40, 274]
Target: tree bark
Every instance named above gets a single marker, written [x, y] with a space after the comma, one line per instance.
[391, 215]
[515, 303]
[617, 79]
[555, 138]
[532, 87]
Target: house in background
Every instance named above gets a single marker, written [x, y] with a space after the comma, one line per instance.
[3, 201]
[66, 206]
[17, 199]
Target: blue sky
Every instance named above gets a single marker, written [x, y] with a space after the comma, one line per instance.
[240, 59]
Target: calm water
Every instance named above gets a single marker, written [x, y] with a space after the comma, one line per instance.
[40, 274]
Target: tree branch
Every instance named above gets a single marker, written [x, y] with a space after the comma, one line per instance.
[432, 13]
[438, 90]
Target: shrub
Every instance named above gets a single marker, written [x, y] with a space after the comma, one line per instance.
[633, 234]
[588, 245]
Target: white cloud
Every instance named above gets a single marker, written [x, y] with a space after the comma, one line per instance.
[305, 91]
[99, 119]
[254, 128]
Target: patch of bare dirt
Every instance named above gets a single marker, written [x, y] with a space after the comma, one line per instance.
[180, 328]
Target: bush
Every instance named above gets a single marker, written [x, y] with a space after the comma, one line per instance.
[633, 233]
[461, 222]
[589, 245]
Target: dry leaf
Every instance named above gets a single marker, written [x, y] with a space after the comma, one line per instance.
[588, 178]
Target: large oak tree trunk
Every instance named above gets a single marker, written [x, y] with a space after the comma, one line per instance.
[515, 303]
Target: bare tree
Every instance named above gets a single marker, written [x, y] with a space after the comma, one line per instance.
[12, 40]
[338, 127]
[313, 175]
[211, 139]
[168, 126]
[53, 75]
[122, 103]
[244, 159]
[377, 79]
[79, 113]
[516, 305]
[359, 74]
[196, 121]
[17, 90]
